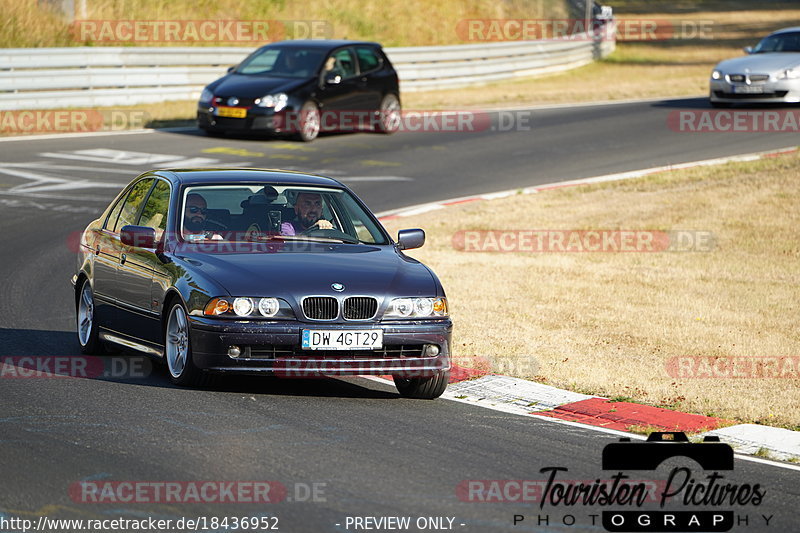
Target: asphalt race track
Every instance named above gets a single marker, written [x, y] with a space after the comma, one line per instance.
[367, 452]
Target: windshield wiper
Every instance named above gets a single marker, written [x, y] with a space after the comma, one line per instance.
[315, 238]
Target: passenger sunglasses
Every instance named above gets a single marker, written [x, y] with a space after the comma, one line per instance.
[195, 209]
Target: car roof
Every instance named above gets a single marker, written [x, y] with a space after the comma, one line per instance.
[198, 176]
[326, 44]
[786, 30]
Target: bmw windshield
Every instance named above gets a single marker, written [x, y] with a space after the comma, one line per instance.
[780, 42]
[260, 212]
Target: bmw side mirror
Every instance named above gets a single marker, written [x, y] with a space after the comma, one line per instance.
[333, 80]
[408, 239]
[230, 69]
[138, 236]
[748, 49]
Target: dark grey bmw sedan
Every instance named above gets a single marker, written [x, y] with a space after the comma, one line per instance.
[260, 271]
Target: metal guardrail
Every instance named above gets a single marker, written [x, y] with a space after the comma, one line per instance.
[46, 78]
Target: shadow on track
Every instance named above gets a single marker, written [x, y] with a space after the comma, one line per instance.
[42, 354]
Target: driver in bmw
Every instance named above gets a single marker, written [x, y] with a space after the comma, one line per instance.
[307, 215]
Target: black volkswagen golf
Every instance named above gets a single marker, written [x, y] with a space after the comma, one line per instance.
[303, 87]
[257, 271]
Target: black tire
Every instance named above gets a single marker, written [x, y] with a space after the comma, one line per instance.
[389, 115]
[422, 388]
[178, 349]
[86, 325]
[308, 124]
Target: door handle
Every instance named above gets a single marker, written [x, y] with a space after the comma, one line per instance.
[122, 259]
[97, 250]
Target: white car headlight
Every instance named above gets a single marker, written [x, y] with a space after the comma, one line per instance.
[247, 307]
[269, 307]
[206, 96]
[417, 308]
[791, 73]
[276, 101]
[716, 75]
[243, 306]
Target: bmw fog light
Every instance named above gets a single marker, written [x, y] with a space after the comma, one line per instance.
[234, 352]
[431, 350]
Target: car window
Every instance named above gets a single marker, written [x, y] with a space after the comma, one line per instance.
[344, 64]
[258, 63]
[154, 214]
[133, 201]
[367, 59]
[258, 211]
[783, 42]
[111, 221]
[283, 62]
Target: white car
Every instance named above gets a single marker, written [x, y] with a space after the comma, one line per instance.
[770, 73]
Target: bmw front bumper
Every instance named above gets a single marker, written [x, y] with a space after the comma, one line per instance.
[274, 347]
[770, 91]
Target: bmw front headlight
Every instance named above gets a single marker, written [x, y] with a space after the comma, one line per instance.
[206, 95]
[716, 75]
[417, 308]
[275, 101]
[246, 307]
[791, 73]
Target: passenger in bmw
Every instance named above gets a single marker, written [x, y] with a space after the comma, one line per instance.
[308, 215]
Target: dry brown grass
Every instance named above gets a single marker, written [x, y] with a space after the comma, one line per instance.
[607, 323]
[646, 69]
[408, 23]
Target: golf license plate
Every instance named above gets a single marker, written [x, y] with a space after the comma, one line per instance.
[231, 112]
[342, 339]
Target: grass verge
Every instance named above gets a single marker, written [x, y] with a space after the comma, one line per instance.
[613, 324]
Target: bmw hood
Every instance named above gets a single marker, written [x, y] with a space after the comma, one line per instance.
[760, 63]
[362, 269]
[252, 86]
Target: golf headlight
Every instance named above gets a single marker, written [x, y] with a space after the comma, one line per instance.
[276, 101]
[716, 75]
[417, 308]
[791, 73]
[206, 96]
[246, 307]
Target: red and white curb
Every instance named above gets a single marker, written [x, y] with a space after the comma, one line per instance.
[518, 396]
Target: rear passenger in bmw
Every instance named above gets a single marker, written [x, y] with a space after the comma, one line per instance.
[308, 215]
